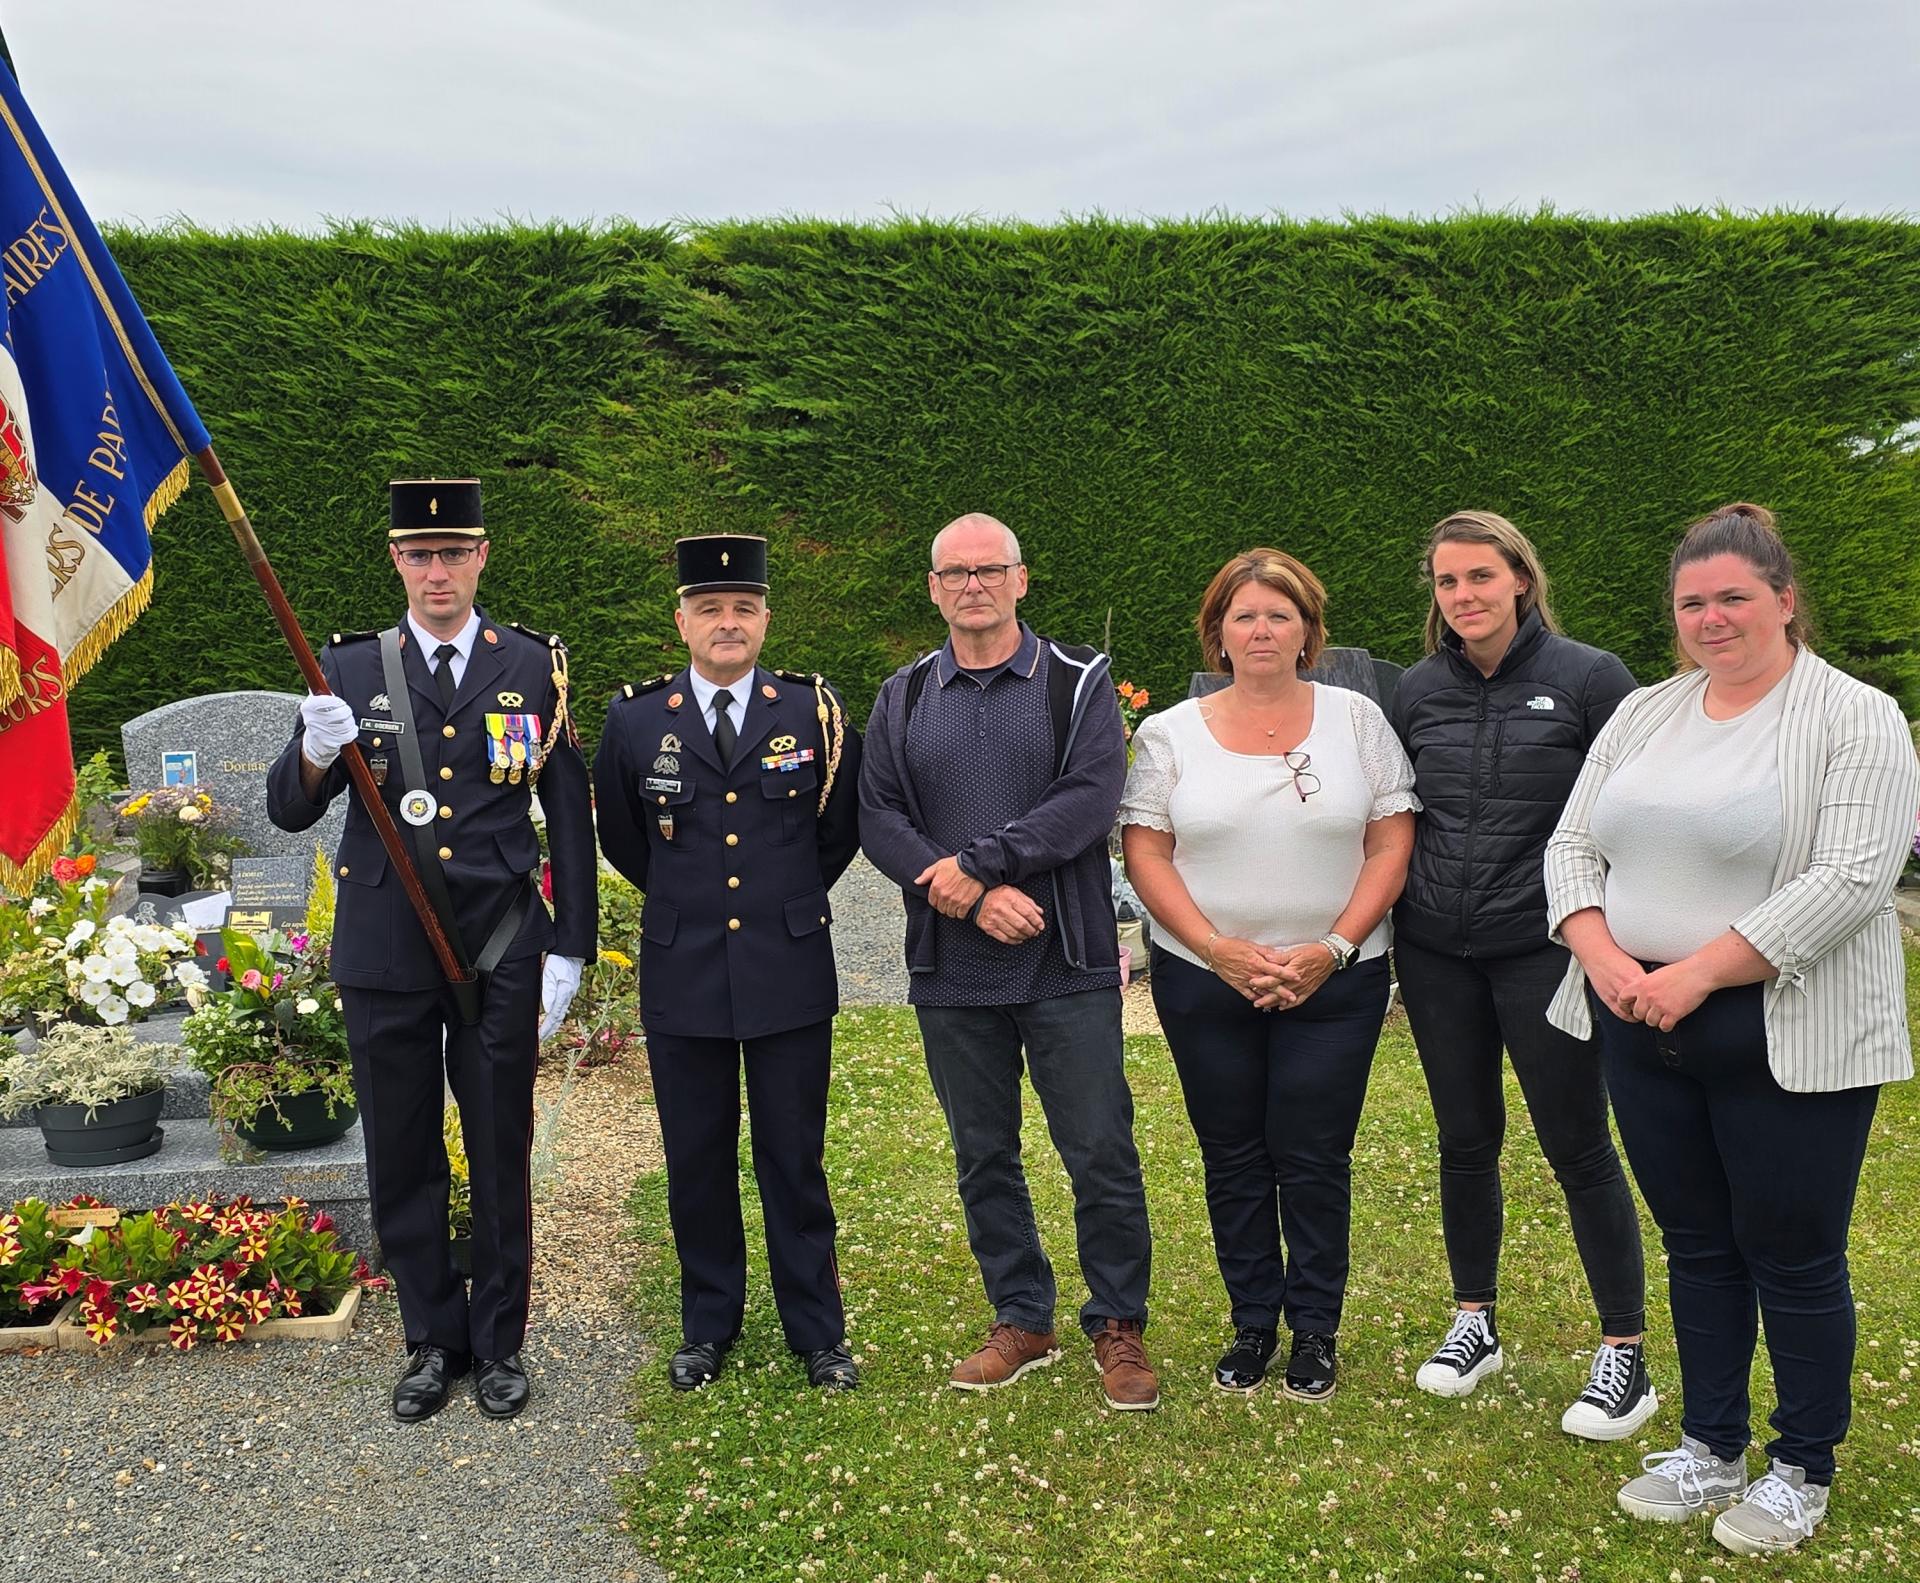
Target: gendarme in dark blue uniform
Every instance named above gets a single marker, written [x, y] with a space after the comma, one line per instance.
[736, 854]
[504, 736]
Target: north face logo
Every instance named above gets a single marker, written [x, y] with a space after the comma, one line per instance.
[1542, 702]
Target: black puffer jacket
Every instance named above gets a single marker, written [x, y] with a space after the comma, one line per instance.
[1494, 758]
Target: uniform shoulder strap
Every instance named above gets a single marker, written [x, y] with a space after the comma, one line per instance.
[637, 689]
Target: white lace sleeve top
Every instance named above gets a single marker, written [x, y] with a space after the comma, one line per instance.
[1261, 861]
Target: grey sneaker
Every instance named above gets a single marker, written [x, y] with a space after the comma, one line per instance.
[1682, 1484]
[1779, 1509]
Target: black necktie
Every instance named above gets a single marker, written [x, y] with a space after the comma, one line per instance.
[724, 736]
[443, 673]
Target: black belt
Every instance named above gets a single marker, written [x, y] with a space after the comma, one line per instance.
[413, 770]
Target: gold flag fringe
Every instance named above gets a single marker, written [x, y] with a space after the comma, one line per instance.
[169, 489]
[9, 676]
[19, 879]
[120, 615]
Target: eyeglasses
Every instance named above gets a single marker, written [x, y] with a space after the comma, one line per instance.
[954, 578]
[1306, 785]
[459, 555]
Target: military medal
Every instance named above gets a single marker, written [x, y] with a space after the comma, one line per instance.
[417, 807]
[377, 767]
[665, 821]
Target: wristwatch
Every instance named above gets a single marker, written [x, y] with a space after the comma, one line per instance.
[1343, 949]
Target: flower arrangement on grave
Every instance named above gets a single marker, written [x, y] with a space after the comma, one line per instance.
[32, 1247]
[182, 830]
[62, 958]
[72, 1064]
[207, 1271]
[277, 1030]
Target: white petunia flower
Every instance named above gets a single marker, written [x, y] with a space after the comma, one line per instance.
[40, 906]
[93, 994]
[140, 994]
[92, 883]
[113, 1011]
[196, 996]
[96, 969]
[190, 975]
[83, 930]
[124, 970]
[306, 1005]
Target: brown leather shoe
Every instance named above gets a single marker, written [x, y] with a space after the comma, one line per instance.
[1008, 1354]
[1126, 1378]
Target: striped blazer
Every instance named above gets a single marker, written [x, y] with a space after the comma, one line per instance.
[1849, 788]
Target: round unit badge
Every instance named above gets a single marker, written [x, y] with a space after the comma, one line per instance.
[417, 807]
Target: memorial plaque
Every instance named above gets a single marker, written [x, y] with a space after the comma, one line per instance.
[230, 740]
[268, 892]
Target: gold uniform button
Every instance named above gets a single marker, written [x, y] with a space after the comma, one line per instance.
[793, 791]
[446, 772]
[823, 918]
[376, 741]
[445, 853]
[733, 882]
[343, 871]
[445, 811]
[446, 731]
[733, 923]
[733, 840]
[733, 796]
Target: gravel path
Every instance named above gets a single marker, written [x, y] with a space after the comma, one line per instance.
[869, 937]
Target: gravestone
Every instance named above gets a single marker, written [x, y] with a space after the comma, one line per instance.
[224, 743]
[268, 892]
[1354, 669]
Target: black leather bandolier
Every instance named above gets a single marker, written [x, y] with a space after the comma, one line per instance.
[413, 768]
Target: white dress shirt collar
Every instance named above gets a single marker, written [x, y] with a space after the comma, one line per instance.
[705, 691]
[463, 641]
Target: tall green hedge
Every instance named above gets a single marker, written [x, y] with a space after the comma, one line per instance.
[1136, 401]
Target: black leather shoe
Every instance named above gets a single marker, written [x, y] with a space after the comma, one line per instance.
[1311, 1370]
[696, 1363]
[832, 1368]
[422, 1391]
[500, 1385]
[1244, 1364]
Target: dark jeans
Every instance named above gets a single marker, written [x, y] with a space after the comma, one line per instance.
[1753, 1188]
[1463, 1011]
[1074, 1055]
[1275, 1099]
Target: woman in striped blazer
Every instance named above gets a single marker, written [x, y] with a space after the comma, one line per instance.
[1723, 874]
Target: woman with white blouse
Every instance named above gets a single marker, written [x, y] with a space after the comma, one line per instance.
[1724, 875]
[1266, 829]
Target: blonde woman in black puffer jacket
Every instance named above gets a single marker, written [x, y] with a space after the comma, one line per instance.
[1497, 720]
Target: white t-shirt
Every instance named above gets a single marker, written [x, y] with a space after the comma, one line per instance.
[1690, 826]
[1261, 862]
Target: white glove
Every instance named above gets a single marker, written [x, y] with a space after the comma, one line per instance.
[559, 983]
[330, 727]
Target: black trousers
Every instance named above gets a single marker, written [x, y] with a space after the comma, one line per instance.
[1464, 1011]
[1275, 1099]
[696, 1085]
[1753, 1190]
[396, 1040]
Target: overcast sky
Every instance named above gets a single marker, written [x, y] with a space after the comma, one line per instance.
[290, 112]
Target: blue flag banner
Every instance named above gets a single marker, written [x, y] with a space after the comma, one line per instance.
[96, 440]
[102, 432]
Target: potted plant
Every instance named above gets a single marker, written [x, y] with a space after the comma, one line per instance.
[33, 1248]
[95, 1093]
[273, 1044]
[459, 1194]
[202, 1271]
[184, 838]
[63, 960]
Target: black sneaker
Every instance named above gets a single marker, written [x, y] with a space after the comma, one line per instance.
[1244, 1364]
[1469, 1354]
[1618, 1399]
[1310, 1370]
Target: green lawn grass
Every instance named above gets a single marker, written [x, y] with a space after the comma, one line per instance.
[908, 1481]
